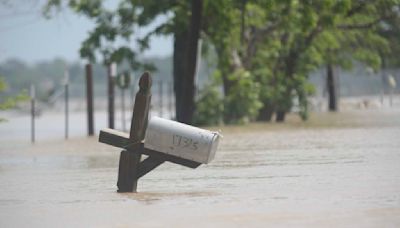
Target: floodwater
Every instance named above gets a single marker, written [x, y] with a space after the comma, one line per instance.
[335, 170]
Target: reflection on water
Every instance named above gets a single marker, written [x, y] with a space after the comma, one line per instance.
[291, 174]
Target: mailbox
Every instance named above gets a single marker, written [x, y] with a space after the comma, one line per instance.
[181, 140]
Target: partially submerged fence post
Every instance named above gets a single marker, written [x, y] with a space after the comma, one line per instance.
[32, 93]
[111, 73]
[123, 82]
[171, 100]
[123, 109]
[161, 98]
[392, 87]
[89, 99]
[66, 93]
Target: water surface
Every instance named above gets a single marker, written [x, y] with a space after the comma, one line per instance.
[337, 169]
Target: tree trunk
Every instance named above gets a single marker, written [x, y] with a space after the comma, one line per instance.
[285, 105]
[179, 63]
[280, 116]
[265, 113]
[331, 81]
[188, 105]
[242, 21]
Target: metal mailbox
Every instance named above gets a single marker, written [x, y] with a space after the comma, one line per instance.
[181, 140]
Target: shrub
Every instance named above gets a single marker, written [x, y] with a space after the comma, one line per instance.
[209, 107]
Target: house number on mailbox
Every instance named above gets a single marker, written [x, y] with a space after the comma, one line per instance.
[181, 141]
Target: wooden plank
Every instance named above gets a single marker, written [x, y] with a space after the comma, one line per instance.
[148, 164]
[121, 140]
[114, 138]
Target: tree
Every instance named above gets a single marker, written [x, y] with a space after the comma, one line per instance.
[119, 24]
[355, 37]
[265, 49]
[189, 79]
[310, 35]
[7, 102]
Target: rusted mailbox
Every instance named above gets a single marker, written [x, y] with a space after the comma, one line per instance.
[181, 140]
[159, 139]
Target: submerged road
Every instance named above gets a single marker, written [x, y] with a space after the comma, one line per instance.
[335, 170]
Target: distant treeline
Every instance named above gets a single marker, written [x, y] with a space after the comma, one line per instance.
[48, 76]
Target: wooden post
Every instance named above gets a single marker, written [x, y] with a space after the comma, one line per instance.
[392, 87]
[391, 97]
[123, 109]
[66, 93]
[32, 113]
[89, 99]
[161, 99]
[130, 159]
[332, 85]
[110, 85]
[171, 101]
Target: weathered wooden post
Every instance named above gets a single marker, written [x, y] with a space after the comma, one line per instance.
[129, 160]
[392, 86]
[32, 93]
[123, 81]
[171, 100]
[167, 141]
[111, 74]
[89, 99]
[161, 97]
[123, 109]
[66, 93]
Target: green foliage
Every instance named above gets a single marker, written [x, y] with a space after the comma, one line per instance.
[209, 107]
[265, 49]
[307, 36]
[303, 90]
[114, 28]
[241, 105]
[7, 102]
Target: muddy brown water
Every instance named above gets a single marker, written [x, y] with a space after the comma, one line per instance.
[335, 170]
